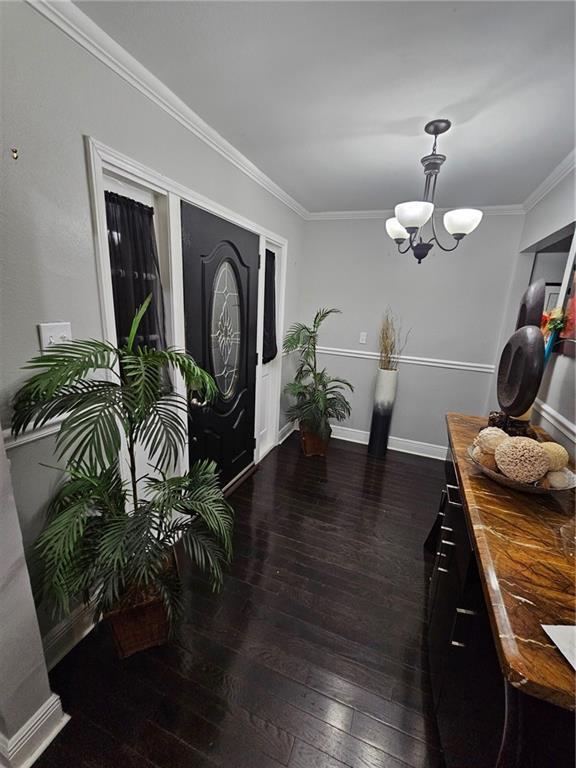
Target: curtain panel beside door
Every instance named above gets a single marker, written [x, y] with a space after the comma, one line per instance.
[269, 346]
[135, 269]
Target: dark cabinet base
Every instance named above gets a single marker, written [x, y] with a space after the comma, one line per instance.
[482, 720]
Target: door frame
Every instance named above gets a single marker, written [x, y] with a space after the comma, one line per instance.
[274, 366]
[104, 161]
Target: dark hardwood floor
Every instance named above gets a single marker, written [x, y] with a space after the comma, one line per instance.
[312, 655]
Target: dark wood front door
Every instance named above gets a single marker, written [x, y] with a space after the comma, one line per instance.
[220, 262]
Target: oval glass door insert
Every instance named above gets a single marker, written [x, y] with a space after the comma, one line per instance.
[225, 331]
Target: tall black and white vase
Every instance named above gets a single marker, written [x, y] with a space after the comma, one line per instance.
[384, 397]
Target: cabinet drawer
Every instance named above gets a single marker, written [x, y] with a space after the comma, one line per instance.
[455, 525]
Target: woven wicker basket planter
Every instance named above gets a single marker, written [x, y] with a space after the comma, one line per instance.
[312, 445]
[140, 626]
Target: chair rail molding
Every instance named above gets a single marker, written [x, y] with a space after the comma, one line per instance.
[31, 435]
[561, 423]
[429, 362]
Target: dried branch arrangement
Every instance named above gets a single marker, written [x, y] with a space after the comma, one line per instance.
[391, 341]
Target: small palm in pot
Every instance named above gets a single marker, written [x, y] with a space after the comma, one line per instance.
[110, 534]
[318, 396]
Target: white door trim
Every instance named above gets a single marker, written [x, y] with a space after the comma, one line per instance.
[259, 344]
[103, 160]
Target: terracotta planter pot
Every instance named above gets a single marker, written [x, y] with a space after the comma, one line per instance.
[139, 626]
[312, 445]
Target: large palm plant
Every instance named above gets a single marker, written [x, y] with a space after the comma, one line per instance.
[110, 534]
[318, 396]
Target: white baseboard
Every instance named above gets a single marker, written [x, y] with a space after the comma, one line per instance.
[285, 432]
[26, 746]
[66, 634]
[429, 450]
[349, 434]
[401, 444]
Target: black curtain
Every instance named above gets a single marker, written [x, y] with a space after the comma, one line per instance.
[269, 348]
[135, 270]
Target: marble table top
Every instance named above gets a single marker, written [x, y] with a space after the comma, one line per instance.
[525, 549]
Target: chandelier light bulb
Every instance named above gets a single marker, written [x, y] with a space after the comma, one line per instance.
[395, 230]
[462, 221]
[414, 214]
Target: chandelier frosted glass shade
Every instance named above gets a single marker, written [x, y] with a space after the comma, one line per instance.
[414, 214]
[395, 230]
[462, 221]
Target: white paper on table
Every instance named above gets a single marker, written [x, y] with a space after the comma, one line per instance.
[564, 637]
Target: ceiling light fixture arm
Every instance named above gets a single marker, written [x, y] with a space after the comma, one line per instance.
[434, 239]
[410, 246]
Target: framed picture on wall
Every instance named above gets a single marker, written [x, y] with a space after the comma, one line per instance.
[558, 317]
[567, 341]
[551, 296]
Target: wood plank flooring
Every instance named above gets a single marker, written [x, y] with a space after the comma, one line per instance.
[312, 656]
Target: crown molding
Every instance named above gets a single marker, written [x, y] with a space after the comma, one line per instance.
[80, 28]
[560, 172]
[347, 215]
[488, 210]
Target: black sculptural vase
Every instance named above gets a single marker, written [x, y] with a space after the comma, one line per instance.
[520, 370]
[384, 397]
[532, 305]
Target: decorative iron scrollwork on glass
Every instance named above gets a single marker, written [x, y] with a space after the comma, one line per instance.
[225, 330]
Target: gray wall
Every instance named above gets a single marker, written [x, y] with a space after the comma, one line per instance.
[53, 93]
[553, 212]
[452, 302]
[558, 391]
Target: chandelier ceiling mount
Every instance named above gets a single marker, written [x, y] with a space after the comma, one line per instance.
[411, 217]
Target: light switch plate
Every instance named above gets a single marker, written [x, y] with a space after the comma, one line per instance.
[363, 337]
[53, 333]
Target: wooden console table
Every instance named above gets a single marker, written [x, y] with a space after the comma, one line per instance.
[504, 564]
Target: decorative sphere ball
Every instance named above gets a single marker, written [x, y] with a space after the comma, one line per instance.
[522, 459]
[557, 455]
[489, 438]
[560, 479]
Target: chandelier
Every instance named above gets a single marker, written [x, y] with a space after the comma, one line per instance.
[410, 217]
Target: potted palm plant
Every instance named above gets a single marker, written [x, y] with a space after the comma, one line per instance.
[318, 396]
[110, 534]
[391, 345]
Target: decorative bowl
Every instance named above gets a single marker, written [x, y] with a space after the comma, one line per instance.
[498, 477]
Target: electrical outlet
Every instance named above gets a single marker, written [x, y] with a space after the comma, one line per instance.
[53, 333]
[363, 337]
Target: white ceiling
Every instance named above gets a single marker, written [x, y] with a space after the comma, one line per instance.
[329, 99]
